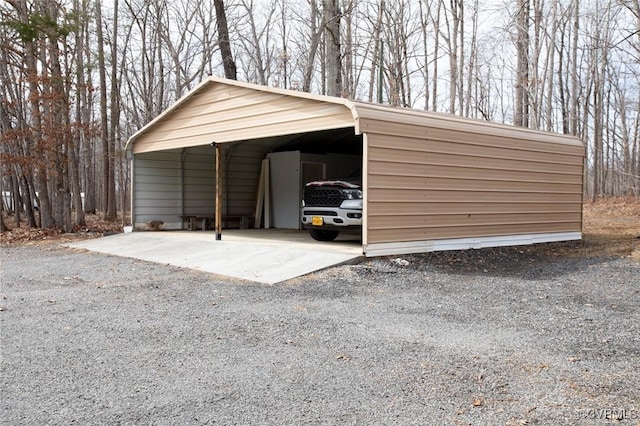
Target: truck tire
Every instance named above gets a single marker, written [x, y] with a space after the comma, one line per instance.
[323, 234]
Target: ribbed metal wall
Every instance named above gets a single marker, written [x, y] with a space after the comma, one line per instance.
[199, 188]
[157, 189]
[168, 184]
[456, 184]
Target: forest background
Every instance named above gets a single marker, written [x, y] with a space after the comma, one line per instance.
[79, 77]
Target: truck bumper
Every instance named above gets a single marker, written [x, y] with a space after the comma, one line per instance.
[331, 217]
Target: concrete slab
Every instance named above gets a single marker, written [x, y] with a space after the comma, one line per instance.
[263, 255]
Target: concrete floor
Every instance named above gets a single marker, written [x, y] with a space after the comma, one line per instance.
[262, 255]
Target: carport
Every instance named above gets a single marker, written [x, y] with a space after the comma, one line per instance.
[430, 181]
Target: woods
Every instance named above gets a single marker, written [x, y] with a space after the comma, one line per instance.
[78, 77]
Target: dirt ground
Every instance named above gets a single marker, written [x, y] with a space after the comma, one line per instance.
[611, 228]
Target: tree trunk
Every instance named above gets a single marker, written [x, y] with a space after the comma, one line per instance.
[376, 60]
[453, 57]
[87, 135]
[314, 42]
[223, 40]
[472, 71]
[331, 13]
[28, 202]
[104, 122]
[17, 202]
[425, 50]
[574, 69]
[436, 55]
[551, 67]
[114, 107]
[3, 226]
[521, 109]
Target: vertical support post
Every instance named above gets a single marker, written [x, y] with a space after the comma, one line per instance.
[267, 194]
[132, 195]
[218, 191]
[182, 187]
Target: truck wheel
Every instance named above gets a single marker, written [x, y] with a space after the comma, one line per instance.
[323, 234]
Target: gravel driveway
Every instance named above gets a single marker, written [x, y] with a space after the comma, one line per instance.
[488, 337]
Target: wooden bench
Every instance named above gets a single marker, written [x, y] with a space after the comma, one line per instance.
[192, 221]
[206, 221]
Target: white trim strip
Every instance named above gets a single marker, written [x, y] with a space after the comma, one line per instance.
[386, 249]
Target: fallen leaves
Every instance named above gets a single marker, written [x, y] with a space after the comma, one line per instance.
[18, 235]
[95, 227]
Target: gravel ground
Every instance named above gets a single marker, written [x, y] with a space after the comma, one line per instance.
[495, 337]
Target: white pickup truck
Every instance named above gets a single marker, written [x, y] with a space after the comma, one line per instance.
[331, 206]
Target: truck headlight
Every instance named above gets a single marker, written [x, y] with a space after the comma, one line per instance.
[352, 204]
[352, 194]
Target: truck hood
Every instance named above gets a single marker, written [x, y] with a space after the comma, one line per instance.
[338, 183]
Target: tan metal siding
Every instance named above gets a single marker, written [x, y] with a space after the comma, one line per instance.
[469, 167]
[402, 209]
[225, 113]
[393, 195]
[418, 124]
[456, 184]
[479, 182]
[470, 159]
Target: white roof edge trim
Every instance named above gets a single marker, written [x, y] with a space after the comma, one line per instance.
[409, 247]
[212, 80]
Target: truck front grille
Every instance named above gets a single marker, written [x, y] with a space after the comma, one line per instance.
[323, 197]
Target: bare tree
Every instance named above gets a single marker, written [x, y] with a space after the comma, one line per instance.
[256, 42]
[472, 67]
[228, 63]
[315, 34]
[377, 60]
[104, 118]
[331, 18]
[521, 107]
[435, 18]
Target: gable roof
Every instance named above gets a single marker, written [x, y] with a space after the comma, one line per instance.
[221, 110]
